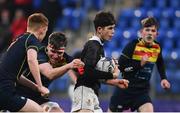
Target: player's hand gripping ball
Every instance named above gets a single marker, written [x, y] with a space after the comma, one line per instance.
[106, 64]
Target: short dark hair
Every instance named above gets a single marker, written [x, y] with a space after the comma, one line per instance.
[57, 40]
[149, 21]
[103, 19]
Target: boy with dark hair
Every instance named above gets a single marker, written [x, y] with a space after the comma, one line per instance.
[53, 63]
[20, 54]
[57, 39]
[136, 64]
[88, 84]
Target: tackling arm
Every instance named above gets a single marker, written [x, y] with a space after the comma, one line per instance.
[53, 73]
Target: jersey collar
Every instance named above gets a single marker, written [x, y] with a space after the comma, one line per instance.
[94, 37]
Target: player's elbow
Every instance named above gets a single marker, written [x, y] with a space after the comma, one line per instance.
[49, 75]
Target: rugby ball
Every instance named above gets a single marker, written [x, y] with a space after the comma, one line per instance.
[106, 64]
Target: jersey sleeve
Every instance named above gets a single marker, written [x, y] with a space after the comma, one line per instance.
[42, 56]
[68, 58]
[126, 63]
[161, 66]
[32, 43]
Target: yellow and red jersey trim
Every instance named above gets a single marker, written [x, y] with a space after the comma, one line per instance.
[141, 50]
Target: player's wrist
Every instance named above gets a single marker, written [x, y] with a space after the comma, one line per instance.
[70, 65]
[39, 87]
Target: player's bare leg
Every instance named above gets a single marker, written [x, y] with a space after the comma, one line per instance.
[109, 111]
[31, 106]
[52, 107]
[85, 110]
[147, 107]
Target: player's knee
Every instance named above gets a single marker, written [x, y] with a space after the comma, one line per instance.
[56, 109]
[85, 110]
[31, 106]
[52, 107]
[147, 107]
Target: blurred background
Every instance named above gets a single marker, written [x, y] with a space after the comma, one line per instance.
[74, 17]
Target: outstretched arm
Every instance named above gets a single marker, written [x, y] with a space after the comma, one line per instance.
[53, 73]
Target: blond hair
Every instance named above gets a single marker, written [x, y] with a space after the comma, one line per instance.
[36, 21]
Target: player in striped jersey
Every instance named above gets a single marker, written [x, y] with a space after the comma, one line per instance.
[136, 64]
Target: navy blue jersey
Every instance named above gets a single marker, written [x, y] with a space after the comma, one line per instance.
[34, 95]
[14, 61]
[43, 58]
